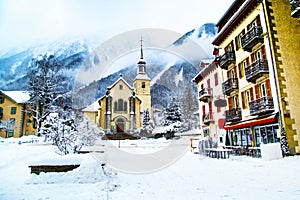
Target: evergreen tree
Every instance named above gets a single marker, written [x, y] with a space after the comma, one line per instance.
[189, 105]
[43, 87]
[146, 118]
[172, 113]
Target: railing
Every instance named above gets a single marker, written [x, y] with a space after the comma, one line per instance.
[204, 94]
[251, 38]
[234, 114]
[230, 85]
[256, 70]
[227, 59]
[261, 106]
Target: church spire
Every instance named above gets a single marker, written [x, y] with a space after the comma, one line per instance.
[142, 56]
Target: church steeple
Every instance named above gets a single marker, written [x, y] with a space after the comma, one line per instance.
[142, 60]
[142, 47]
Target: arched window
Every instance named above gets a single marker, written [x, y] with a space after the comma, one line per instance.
[120, 105]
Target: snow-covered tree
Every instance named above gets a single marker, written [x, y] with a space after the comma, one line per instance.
[189, 105]
[172, 113]
[61, 128]
[146, 118]
[88, 132]
[43, 87]
[7, 126]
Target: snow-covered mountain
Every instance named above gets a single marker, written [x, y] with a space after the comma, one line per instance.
[172, 61]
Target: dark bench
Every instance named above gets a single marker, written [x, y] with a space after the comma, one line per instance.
[37, 169]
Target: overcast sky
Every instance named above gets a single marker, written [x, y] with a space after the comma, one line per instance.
[25, 22]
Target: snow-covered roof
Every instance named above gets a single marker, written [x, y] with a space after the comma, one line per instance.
[94, 107]
[17, 96]
[142, 77]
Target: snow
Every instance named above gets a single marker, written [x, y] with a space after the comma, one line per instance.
[179, 77]
[193, 176]
[18, 96]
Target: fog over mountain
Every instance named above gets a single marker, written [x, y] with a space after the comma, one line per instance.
[90, 67]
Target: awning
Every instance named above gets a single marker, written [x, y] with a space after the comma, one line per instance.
[252, 122]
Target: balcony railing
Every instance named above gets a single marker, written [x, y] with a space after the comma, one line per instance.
[205, 94]
[233, 115]
[208, 118]
[261, 106]
[230, 85]
[227, 59]
[257, 69]
[251, 38]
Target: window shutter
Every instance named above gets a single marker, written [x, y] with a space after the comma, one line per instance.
[235, 72]
[252, 58]
[256, 91]
[268, 87]
[229, 102]
[263, 52]
[251, 94]
[247, 62]
[240, 70]
[243, 99]
[203, 110]
[258, 20]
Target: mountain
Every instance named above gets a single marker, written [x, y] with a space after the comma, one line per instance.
[71, 54]
[89, 68]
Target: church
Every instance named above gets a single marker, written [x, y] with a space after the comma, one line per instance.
[121, 108]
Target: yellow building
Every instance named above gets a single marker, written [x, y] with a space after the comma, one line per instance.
[121, 109]
[257, 48]
[14, 120]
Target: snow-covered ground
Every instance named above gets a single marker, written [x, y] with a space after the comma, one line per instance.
[191, 177]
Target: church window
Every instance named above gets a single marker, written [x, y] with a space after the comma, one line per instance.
[120, 87]
[143, 85]
[120, 104]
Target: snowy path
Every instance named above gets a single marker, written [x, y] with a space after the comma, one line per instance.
[191, 177]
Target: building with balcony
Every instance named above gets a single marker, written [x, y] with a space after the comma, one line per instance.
[256, 48]
[14, 121]
[209, 84]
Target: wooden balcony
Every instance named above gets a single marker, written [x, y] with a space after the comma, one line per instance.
[230, 85]
[207, 118]
[261, 106]
[205, 95]
[227, 59]
[252, 38]
[256, 70]
[233, 115]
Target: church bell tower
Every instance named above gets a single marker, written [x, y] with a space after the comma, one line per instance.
[142, 82]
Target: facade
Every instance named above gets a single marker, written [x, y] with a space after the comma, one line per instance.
[256, 48]
[209, 84]
[121, 109]
[14, 120]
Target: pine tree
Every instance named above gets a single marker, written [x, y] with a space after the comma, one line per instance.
[146, 118]
[189, 106]
[172, 113]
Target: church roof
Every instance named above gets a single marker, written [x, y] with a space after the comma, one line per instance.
[94, 107]
[120, 79]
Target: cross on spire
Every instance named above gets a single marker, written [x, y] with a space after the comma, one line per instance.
[141, 47]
